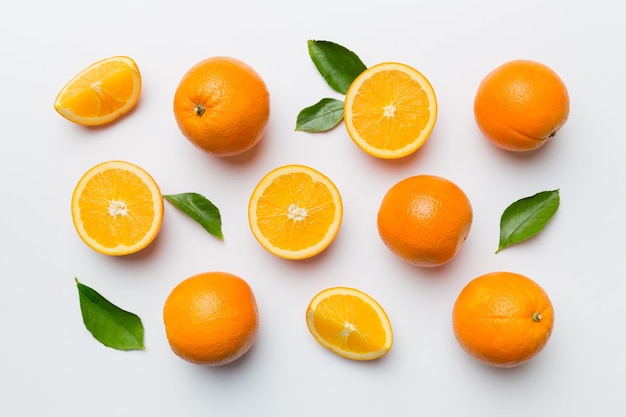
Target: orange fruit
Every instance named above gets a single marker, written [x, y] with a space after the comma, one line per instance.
[117, 208]
[211, 318]
[520, 105]
[502, 319]
[425, 219]
[100, 93]
[390, 110]
[222, 106]
[295, 212]
[350, 323]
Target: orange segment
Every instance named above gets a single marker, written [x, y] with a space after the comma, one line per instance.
[295, 212]
[101, 92]
[117, 208]
[350, 323]
[390, 110]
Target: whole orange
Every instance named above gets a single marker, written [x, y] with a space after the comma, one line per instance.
[425, 219]
[222, 106]
[502, 319]
[520, 105]
[211, 318]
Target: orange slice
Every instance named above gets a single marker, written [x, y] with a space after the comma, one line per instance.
[101, 92]
[117, 208]
[350, 323]
[295, 212]
[390, 110]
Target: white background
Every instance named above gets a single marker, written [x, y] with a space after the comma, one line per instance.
[51, 366]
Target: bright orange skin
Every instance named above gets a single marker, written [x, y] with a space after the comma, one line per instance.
[425, 220]
[211, 318]
[520, 105]
[222, 106]
[502, 319]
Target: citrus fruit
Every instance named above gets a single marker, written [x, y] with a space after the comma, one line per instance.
[222, 106]
[117, 208]
[211, 318]
[520, 105]
[425, 219]
[295, 212]
[350, 323]
[100, 93]
[390, 110]
[502, 319]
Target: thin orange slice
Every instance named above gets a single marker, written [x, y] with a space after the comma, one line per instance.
[390, 110]
[350, 323]
[295, 212]
[101, 92]
[117, 208]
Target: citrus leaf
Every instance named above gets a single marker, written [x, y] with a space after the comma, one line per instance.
[338, 65]
[320, 117]
[109, 324]
[526, 217]
[200, 209]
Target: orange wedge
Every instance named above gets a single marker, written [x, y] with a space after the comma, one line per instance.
[350, 323]
[295, 212]
[117, 208]
[390, 110]
[101, 92]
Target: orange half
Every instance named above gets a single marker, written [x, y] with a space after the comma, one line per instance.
[295, 212]
[390, 110]
[101, 92]
[117, 208]
[350, 323]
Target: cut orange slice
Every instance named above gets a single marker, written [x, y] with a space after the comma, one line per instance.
[350, 323]
[101, 92]
[295, 212]
[117, 208]
[390, 110]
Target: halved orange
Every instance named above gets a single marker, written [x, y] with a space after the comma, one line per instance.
[117, 208]
[295, 212]
[390, 110]
[350, 323]
[101, 92]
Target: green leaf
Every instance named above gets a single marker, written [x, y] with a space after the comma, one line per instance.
[200, 209]
[109, 324]
[338, 65]
[526, 217]
[320, 117]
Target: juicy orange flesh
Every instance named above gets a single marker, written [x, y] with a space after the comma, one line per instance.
[391, 110]
[102, 91]
[117, 208]
[295, 212]
[350, 324]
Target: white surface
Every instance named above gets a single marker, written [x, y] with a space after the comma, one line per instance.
[51, 366]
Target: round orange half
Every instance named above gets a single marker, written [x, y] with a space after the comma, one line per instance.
[295, 212]
[100, 93]
[117, 208]
[390, 110]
